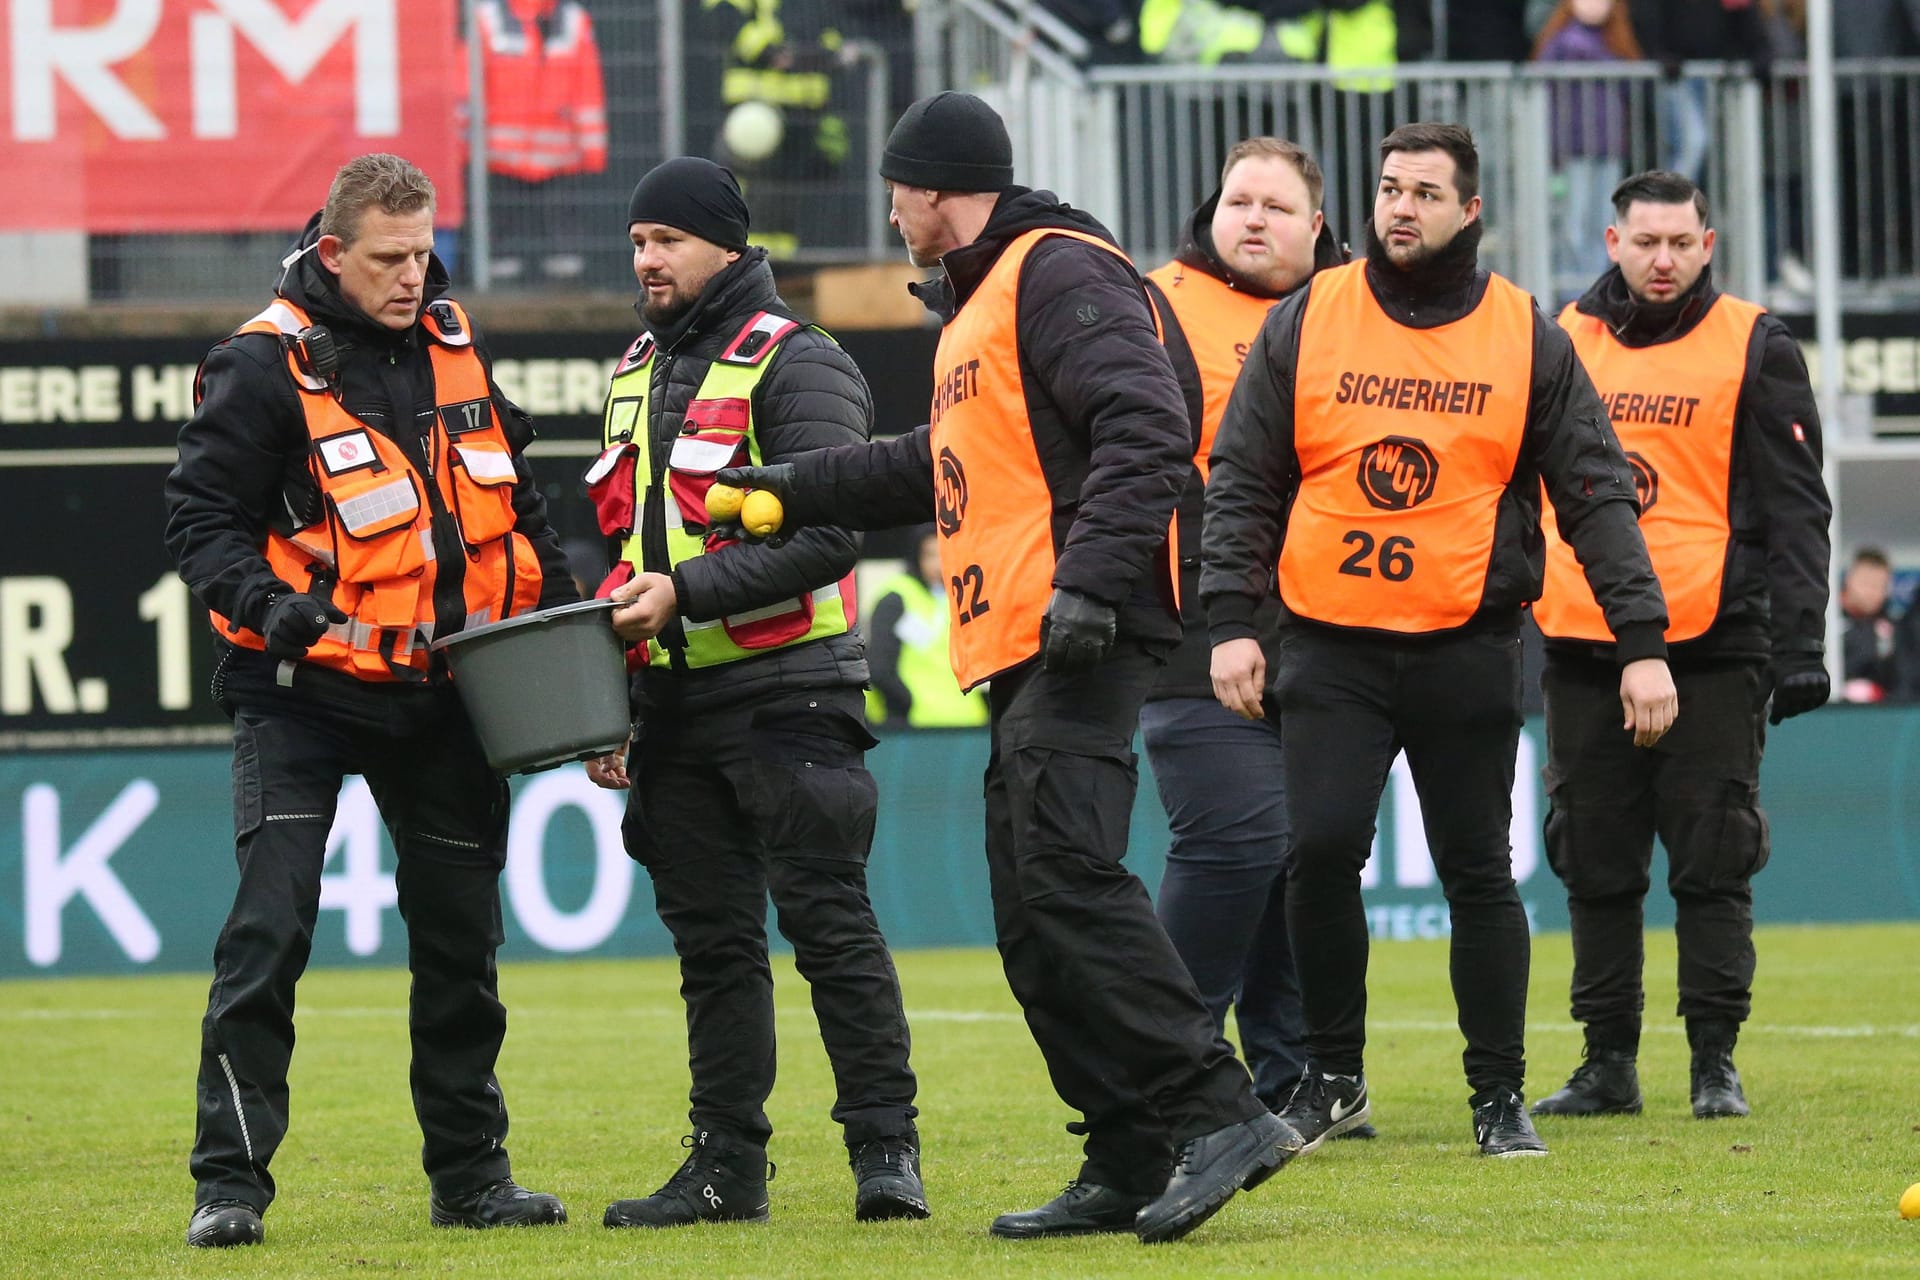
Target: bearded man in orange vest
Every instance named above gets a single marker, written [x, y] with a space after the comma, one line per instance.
[1223, 897]
[352, 486]
[1384, 451]
[1711, 400]
[1056, 454]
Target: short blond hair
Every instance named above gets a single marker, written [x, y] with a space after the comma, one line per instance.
[1284, 149]
[393, 184]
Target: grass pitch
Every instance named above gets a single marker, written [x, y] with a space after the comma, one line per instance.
[96, 1117]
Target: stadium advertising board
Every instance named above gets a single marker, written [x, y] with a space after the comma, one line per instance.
[131, 116]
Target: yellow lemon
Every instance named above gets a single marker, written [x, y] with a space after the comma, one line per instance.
[1910, 1202]
[723, 503]
[761, 513]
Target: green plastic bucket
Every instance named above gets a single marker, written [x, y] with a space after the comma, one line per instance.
[543, 688]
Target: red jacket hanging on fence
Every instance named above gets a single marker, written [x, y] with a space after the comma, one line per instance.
[545, 103]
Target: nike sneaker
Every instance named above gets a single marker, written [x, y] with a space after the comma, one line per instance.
[1325, 1106]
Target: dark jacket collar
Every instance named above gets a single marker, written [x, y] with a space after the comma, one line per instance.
[1198, 251]
[1438, 291]
[1638, 323]
[745, 284]
[307, 284]
[1018, 211]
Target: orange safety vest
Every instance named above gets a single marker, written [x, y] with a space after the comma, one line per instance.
[1673, 407]
[993, 507]
[545, 100]
[1406, 440]
[1219, 323]
[371, 551]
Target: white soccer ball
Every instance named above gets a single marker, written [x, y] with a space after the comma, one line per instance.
[753, 130]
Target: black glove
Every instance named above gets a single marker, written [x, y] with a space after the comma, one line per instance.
[295, 621]
[1798, 687]
[1075, 632]
[776, 478]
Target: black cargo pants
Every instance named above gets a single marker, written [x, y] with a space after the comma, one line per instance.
[728, 806]
[447, 814]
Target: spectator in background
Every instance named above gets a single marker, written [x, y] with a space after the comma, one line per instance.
[1870, 670]
[913, 685]
[1673, 32]
[546, 121]
[1589, 124]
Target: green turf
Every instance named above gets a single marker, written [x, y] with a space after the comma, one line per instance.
[96, 1117]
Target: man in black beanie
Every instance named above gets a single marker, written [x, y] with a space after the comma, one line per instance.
[745, 773]
[1060, 434]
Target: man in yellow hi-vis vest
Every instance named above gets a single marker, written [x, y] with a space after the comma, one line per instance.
[745, 774]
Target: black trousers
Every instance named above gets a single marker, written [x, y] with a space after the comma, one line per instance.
[1698, 789]
[1126, 1038]
[1351, 702]
[728, 806]
[447, 814]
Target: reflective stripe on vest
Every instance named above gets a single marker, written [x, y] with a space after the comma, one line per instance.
[1672, 407]
[1406, 440]
[371, 553]
[993, 508]
[717, 430]
[925, 669]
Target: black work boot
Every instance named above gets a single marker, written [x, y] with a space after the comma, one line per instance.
[1716, 1085]
[223, 1224]
[1606, 1083]
[886, 1179]
[723, 1179]
[1210, 1168]
[1084, 1208]
[502, 1203]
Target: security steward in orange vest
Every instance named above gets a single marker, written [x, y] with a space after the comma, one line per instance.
[745, 775]
[1052, 466]
[1711, 400]
[351, 486]
[1384, 451]
[1223, 897]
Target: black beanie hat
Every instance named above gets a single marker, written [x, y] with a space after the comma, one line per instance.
[949, 142]
[695, 195]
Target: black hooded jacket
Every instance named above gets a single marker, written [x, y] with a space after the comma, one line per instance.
[1567, 440]
[1187, 673]
[1773, 595]
[1108, 420]
[811, 397]
[243, 457]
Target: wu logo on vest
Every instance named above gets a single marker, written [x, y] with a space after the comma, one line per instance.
[949, 493]
[1646, 481]
[1398, 472]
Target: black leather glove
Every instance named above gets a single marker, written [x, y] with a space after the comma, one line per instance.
[1798, 687]
[1075, 632]
[776, 478]
[295, 621]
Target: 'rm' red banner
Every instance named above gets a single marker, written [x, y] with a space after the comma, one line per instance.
[216, 115]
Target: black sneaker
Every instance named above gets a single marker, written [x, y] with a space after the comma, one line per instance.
[1325, 1106]
[722, 1180]
[1605, 1084]
[1084, 1208]
[1501, 1127]
[498, 1204]
[224, 1224]
[1716, 1085]
[1210, 1168]
[886, 1178]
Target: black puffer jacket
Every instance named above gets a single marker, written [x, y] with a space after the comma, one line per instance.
[811, 397]
[1568, 442]
[1187, 673]
[1773, 595]
[243, 457]
[1108, 420]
